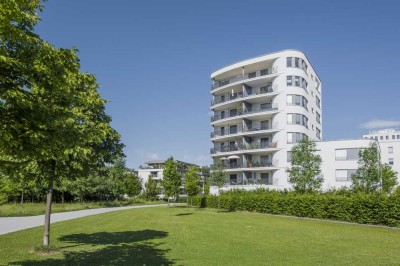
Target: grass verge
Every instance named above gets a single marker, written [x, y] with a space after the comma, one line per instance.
[162, 236]
[30, 209]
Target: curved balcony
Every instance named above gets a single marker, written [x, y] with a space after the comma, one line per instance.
[244, 147]
[231, 113]
[255, 74]
[241, 131]
[251, 166]
[230, 97]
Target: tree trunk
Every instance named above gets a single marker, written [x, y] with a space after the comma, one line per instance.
[62, 197]
[22, 198]
[168, 201]
[46, 237]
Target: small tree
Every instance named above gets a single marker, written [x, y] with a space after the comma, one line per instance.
[151, 189]
[133, 184]
[171, 178]
[389, 178]
[305, 173]
[367, 178]
[192, 182]
[218, 178]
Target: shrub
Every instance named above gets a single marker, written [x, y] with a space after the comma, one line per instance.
[372, 208]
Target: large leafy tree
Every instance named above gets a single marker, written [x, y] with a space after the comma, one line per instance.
[367, 178]
[51, 114]
[192, 182]
[305, 173]
[171, 178]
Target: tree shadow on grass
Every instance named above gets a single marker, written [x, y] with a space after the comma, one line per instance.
[184, 214]
[110, 248]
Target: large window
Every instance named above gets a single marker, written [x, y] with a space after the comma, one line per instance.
[289, 61]
[298, 82]
[298, 100]
[344, 174]
[318, 101]
[318, 133]
[289, 81]
[347, 154]
[390, 149]
[294, 137]
[297, 119]
[318, 117]
[266, 179]
[391, 161]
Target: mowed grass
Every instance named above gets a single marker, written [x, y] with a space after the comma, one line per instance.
[30, 209]
[162, 236]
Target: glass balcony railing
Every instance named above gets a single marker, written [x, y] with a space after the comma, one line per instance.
[254, 74]
[255, 128]
[252, 164]
[244, 147]
[238, 95]
[249, 110]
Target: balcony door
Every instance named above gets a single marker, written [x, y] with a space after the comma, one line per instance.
[264, 142]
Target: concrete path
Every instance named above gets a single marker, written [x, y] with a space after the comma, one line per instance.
[12, 224]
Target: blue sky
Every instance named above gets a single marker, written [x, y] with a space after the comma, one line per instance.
[153, 60]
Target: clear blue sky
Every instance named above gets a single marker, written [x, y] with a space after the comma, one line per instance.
[153, 60]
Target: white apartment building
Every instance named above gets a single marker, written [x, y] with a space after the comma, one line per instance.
[261, 107]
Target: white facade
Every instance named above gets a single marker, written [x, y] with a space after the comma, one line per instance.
[389, 145]
[261, 107]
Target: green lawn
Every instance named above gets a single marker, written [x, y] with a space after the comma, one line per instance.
[30, 209]
[162, 236]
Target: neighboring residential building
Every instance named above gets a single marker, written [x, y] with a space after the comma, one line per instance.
[261, 107]
[155, 169]
[389, 144]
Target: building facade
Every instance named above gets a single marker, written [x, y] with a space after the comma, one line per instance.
[155, 169]
[261, 108]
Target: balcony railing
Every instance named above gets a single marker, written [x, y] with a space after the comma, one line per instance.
[252, 164]
[257, 109]
[255, 74]
[244, 147]
[220, 133]
[238, 95]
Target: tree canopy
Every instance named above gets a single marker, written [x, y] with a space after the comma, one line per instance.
[52, 116]
[305, 173]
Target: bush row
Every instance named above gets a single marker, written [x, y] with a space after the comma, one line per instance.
[376, 208]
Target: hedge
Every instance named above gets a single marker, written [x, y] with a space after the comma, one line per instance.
[375, 208]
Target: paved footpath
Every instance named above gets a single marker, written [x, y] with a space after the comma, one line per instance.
[12, 224]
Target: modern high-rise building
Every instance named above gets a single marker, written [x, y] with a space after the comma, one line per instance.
[261, 107]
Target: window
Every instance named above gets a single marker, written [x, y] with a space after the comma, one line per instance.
[266, 179]
[381, 137]
[387, 137]
[264, 72]
[390, 161]
[297, 81]
[297, 119]
[252, 75]
[265, 89]
[390, 149]
[222, 131]
[344, 174]
[318, 117]
[393, 137]
[398, 136]
[289, 81]
[296, 62]
[233, 112]
[294, 137]
[289, 156]
[289, 61]
[233, 129]
[264, 125]
[347, 154]
[265, 106]
[318, 133]
[318, 101]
